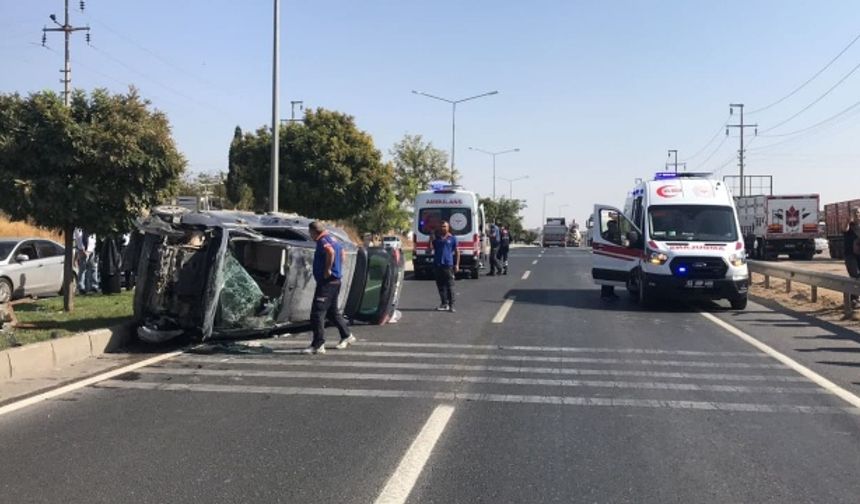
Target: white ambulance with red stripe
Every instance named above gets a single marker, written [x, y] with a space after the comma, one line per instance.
[678, 236]
[465, 215]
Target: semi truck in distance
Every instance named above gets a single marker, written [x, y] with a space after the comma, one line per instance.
[554, 232]
[836, 217]
[774, 225]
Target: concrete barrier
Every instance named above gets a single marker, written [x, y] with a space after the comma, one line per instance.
[39, 359]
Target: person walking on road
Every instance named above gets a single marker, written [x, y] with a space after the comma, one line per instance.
[446, 262]
[504, 248]
[327, 269]
[495, 238]
[851, 239]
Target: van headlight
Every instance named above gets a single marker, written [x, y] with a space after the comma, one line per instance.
[656, 257]
[738, 259]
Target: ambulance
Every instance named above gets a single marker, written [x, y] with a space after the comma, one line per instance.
[465, 215]
[678, 236]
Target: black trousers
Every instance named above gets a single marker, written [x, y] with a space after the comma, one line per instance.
[325, 308]
[503, 254]
[852, 264]
[445, 284]
[495, 267]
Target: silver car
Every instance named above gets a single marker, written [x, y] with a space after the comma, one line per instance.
[30, 267]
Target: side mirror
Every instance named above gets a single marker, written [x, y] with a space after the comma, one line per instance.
[22, 258]
[633, 238]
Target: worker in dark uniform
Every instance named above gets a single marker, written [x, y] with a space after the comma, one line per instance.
[327, 269]
[611, 234]
[851, 240]
[446, 263]
[504, 248]
[495, 238]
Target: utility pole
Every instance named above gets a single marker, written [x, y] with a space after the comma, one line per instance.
[741, 126]
[293, 104]
[67, 30]
[675, 152]
[273, 180]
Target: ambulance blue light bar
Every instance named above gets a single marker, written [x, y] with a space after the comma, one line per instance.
[440, 186]
[665, 175]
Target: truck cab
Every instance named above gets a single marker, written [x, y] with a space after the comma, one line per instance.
[678, 236]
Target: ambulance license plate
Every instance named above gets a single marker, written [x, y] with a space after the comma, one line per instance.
[699, 284]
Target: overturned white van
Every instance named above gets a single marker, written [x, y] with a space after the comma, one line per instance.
[678, 236]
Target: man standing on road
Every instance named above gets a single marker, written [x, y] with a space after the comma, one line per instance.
[446, 262]
[851, 239]
[328, 263]
[495, 238]
[504, 248]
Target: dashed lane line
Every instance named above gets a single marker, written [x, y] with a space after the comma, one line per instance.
[787, 361]
[526, 275]
[476, 397]
[401, 483]
[503, 311]
[534, 262]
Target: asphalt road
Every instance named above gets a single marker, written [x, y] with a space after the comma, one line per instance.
[567, 399]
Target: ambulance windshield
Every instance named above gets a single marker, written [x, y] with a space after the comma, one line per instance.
[460, 220]
[692, 223]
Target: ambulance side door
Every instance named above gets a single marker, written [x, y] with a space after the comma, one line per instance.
[616, 246]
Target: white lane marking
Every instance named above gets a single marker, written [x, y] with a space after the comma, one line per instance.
[23, 403]
[400, 485]
[488, 380]
[559, 360]
[814, 377]
[330, 363]
[463, 396]
[526, 275]
[550, 349]
[503, 311]
[535, 261]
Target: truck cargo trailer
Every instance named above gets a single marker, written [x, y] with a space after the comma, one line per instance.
[774, 225]
[836, 217]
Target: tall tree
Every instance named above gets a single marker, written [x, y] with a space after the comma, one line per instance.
[505, 212]
[330, 169]
[416, 164]
[96, 164]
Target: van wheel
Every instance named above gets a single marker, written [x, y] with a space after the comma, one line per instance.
[738, 302]
[633, 286]
[474, 274]
[646, 297]
[5, 290]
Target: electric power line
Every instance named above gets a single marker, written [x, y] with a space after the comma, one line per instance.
[704, 147]
[705, 162]
[789, 95]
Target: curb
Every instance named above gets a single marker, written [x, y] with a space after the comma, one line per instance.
[37, 359]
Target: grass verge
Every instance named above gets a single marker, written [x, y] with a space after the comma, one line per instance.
[44, 319]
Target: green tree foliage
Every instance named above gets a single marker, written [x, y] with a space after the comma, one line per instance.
[387, 216]
[416, 164]
[96, 164]
[329, 169]
[505, 212]
[238, 191]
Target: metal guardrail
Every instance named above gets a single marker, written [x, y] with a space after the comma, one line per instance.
[846, 285]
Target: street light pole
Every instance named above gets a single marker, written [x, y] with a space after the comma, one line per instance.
[674, 151]
[494, 154]
[273, 176]
[511, 184]
[560, 207]
[453, 118]
[543, 212]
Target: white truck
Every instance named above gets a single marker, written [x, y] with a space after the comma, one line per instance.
[774, 225]
[554, 232]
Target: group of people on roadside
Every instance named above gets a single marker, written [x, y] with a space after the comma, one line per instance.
[851, 239]
[104, 263]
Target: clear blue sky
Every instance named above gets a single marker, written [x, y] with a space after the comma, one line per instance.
[594, 93]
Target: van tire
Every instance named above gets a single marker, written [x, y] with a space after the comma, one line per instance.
[739, 302]
[646, 298]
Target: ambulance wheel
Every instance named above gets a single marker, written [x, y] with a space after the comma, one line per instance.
[646, 297]
[739, 302]
[474, 274]
[633, 285]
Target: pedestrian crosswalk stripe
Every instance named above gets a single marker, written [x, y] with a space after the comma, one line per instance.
[554, 382]
[528, 348]
[337, 363]
[559, 359]
[476, 397]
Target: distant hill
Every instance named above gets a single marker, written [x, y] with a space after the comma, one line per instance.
[16, 229]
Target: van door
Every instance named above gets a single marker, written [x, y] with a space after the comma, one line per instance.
[615, 255]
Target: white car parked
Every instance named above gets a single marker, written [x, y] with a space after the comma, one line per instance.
[30, 267]
[392, 242]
